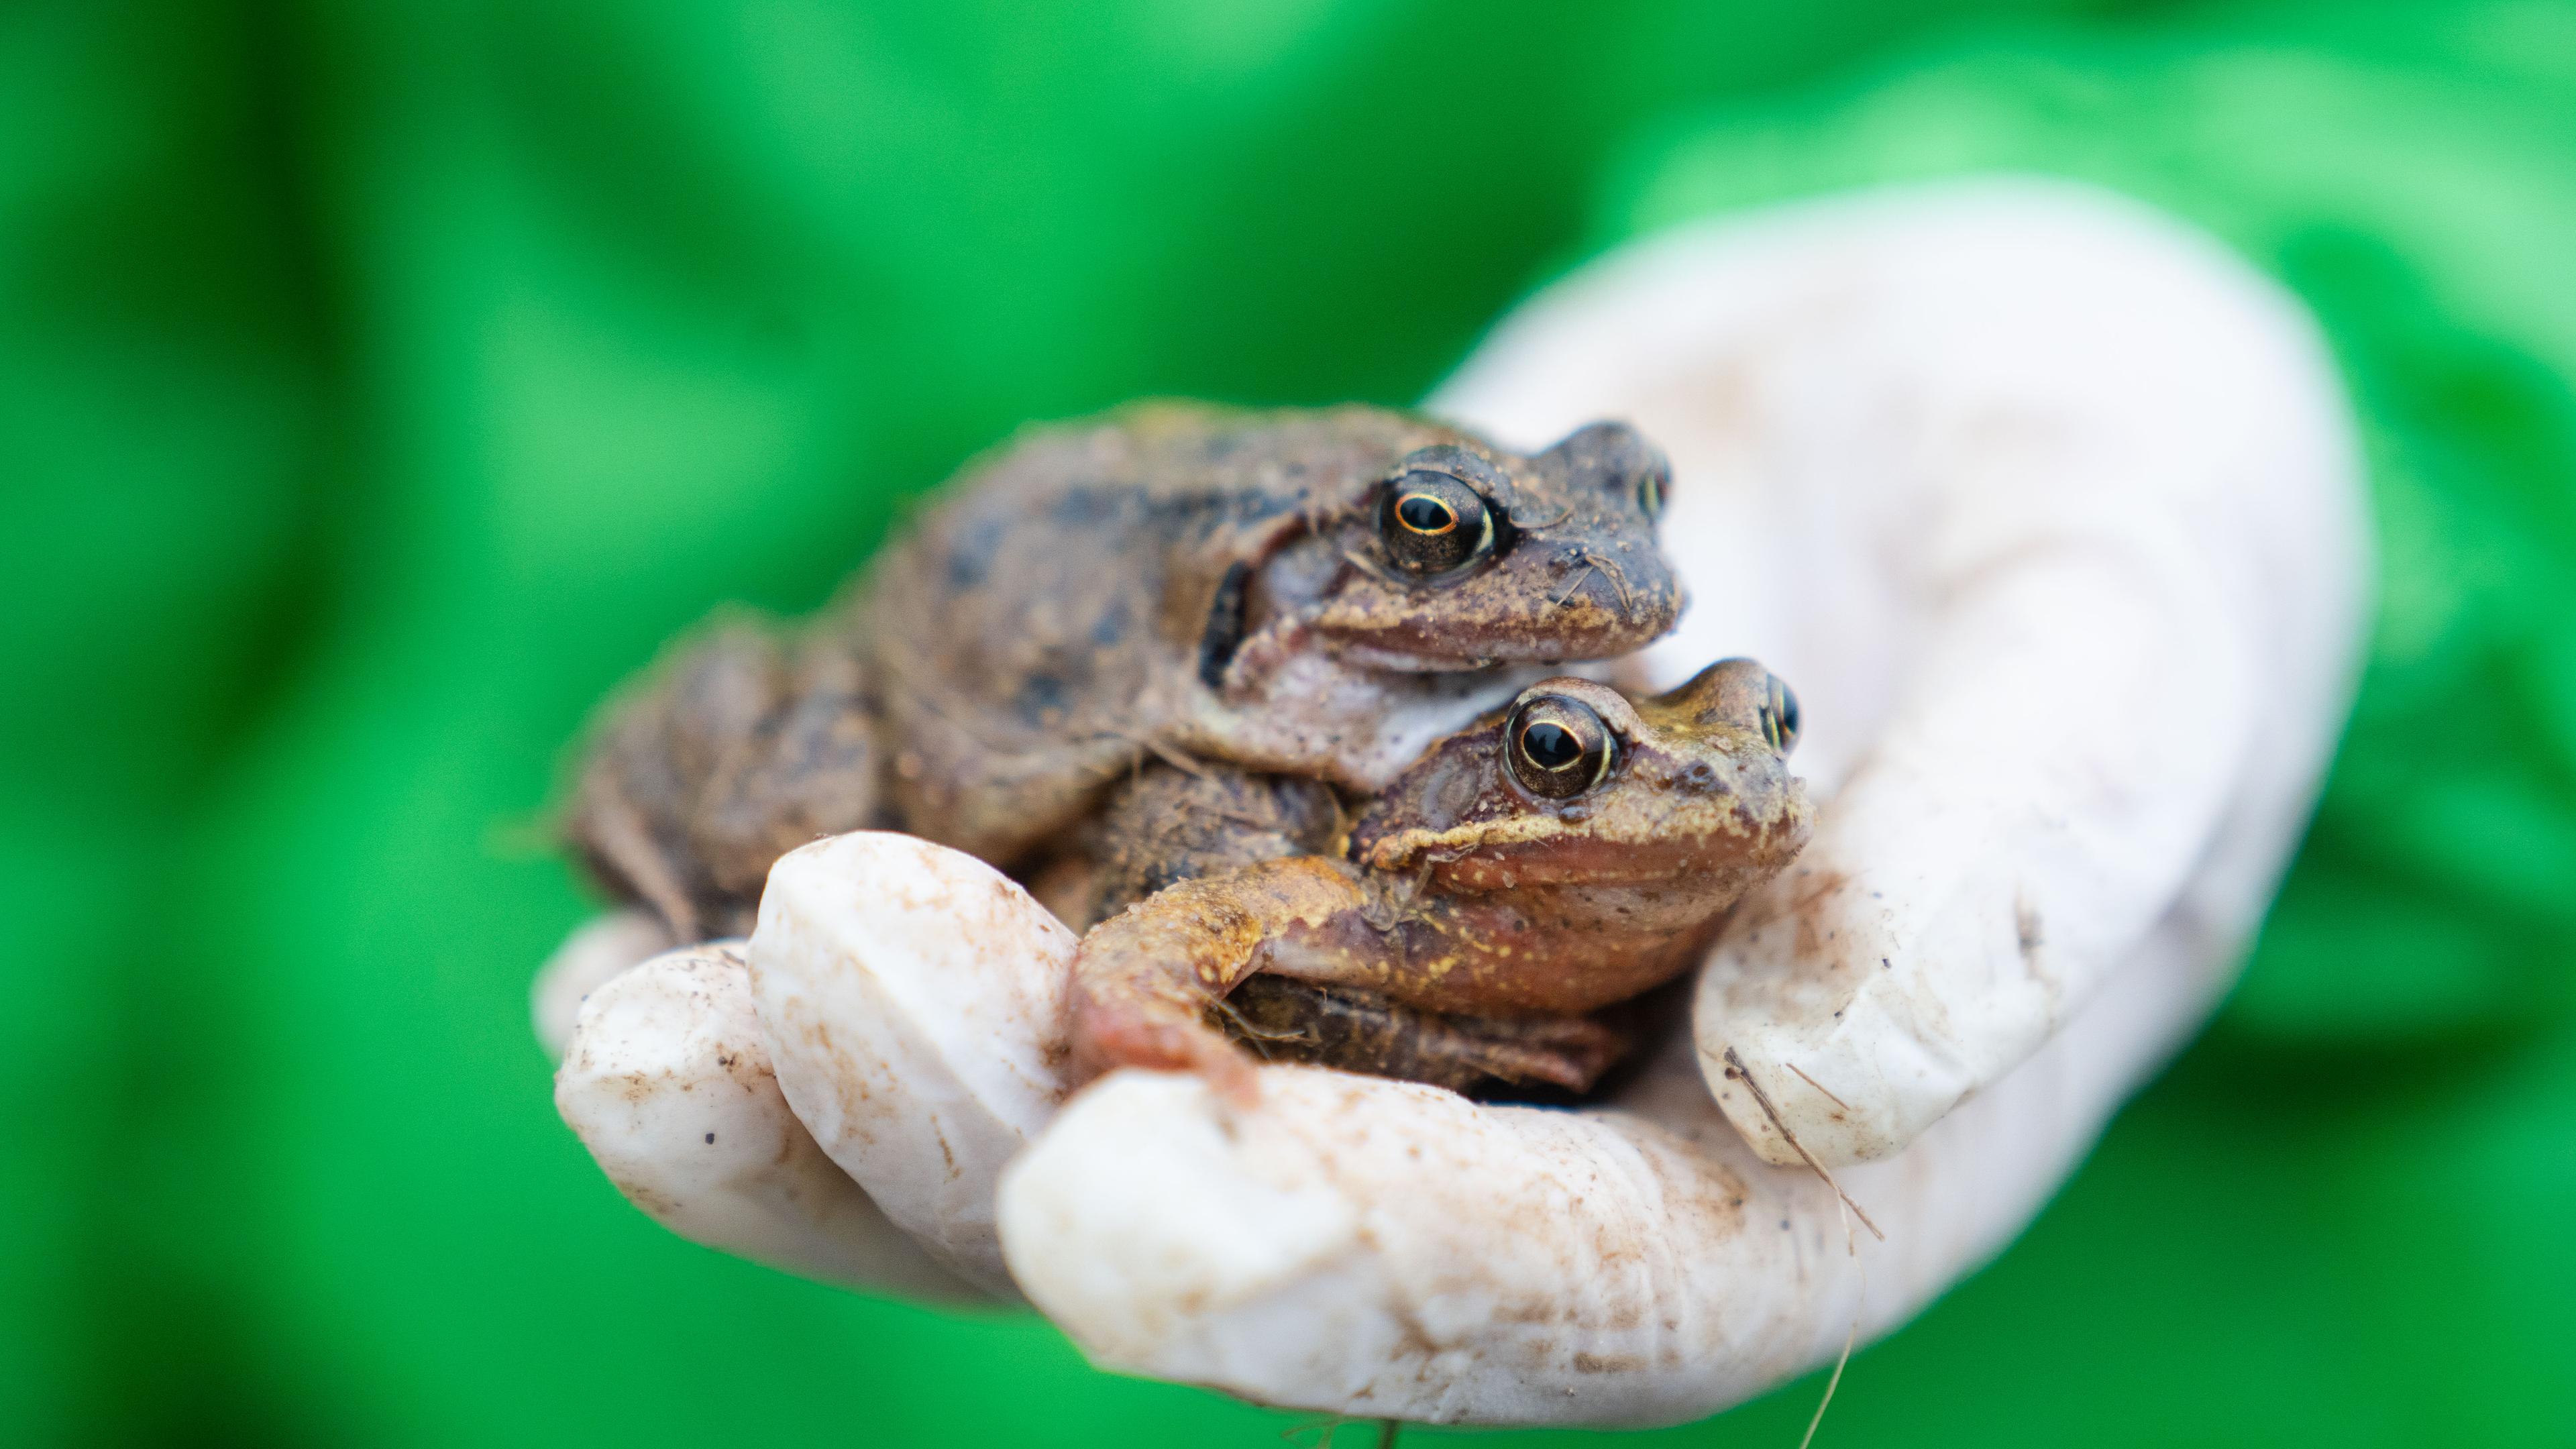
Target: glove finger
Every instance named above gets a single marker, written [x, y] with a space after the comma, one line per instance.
[912, 998]
[667, 1081]
[2050, 511]
[597, 952]
[1379, 1249]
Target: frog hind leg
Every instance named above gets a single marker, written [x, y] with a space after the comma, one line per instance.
[1168, 824]
[1282, 1018]
[742, 745]
[1144, 981]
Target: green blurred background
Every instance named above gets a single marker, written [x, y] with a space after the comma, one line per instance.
[379, 382]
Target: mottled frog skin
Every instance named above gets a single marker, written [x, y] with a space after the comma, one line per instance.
[1312, 595]
[1568, 852]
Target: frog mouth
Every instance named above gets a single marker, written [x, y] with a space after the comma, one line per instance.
[1553, 857]
[1387, 657]
[1370, 655]
[1545, 633]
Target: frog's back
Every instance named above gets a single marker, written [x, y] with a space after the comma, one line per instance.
[1044, 621]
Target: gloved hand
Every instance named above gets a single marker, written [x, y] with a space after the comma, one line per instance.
[2050, 512]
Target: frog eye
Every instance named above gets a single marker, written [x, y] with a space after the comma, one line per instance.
[1433, 523]
[1650, 493]
[1558, 748]
[1779, 715]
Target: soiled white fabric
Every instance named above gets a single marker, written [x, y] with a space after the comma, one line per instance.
[2050, 512]
[598, 951]
[669, 1084]
[910, 995]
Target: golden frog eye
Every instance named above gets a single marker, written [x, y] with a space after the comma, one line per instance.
[1433, 523]
[1558, 748]
[1650, 493]
[1779, 716]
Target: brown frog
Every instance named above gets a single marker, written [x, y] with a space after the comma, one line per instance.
[1312, 594]
[1570, 851]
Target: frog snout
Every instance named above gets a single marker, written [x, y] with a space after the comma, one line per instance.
[1625, 579]
[1611, 451]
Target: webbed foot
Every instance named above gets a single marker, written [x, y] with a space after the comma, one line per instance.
[1106, 1037]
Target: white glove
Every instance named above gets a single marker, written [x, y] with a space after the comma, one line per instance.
[2051, 514]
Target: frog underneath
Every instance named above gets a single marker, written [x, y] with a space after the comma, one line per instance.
[1565, 853]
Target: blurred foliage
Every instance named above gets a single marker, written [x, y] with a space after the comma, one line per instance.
[378, 383]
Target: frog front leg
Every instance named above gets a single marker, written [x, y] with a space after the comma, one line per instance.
[1354, 1030]
[1144, 981]
[1171, 822]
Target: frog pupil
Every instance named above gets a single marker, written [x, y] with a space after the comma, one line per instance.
[1550, 746]
[1425, 514]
